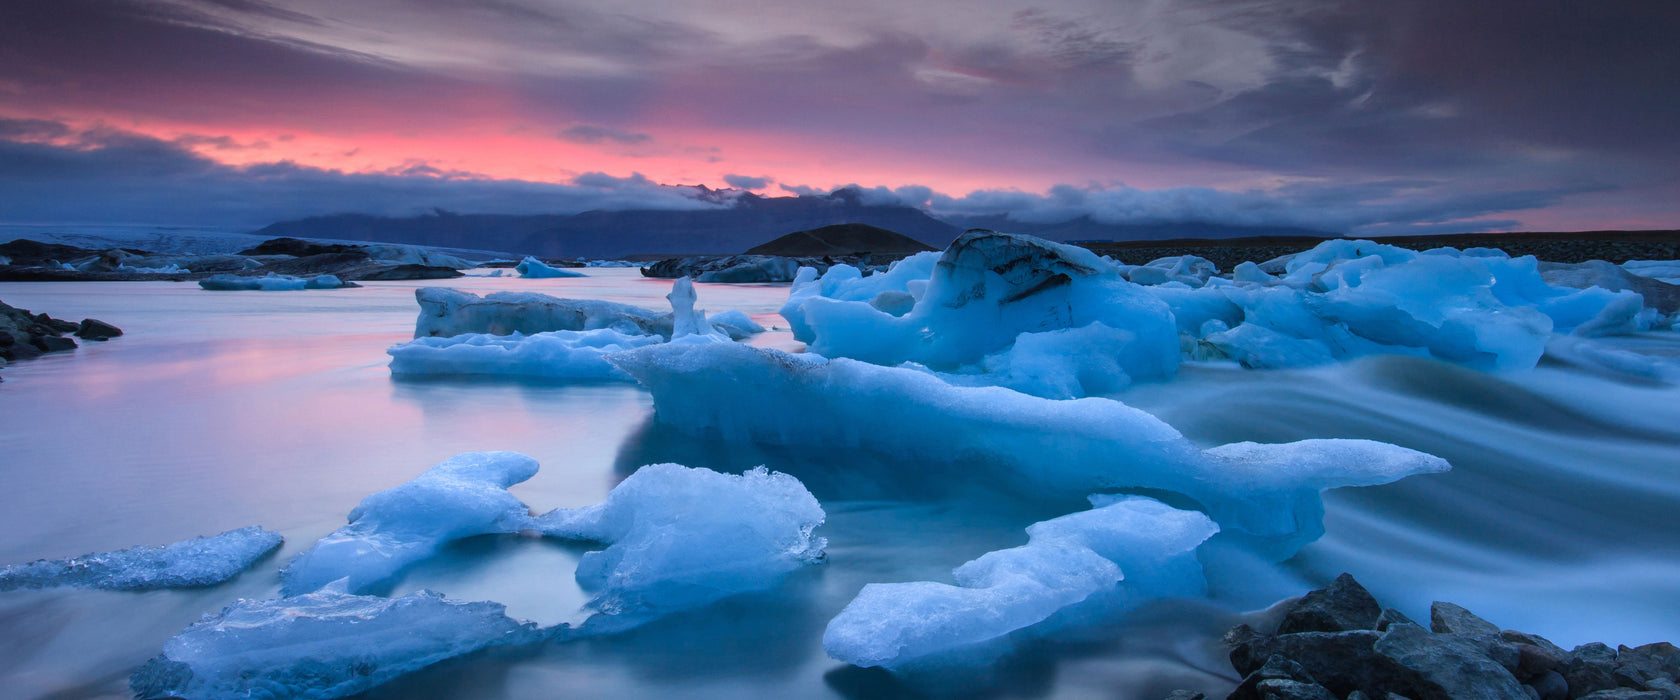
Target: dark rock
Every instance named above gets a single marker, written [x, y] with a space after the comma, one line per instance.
[55, 325]
[1185, 695]
[1650, 661]
[1626, 694]
[1550, 686]
[27, 253]
[406, 272]
[1447, 618]
[1446, 666]
[1276, 667]
[297, 248]
[1340, 661]
[1279, 689]
[1516, 637]
[1341, 606]
[1390, 617]
[1534, 661]
[741, 268]
[92, 329]
[52, 343]
[1591, 668]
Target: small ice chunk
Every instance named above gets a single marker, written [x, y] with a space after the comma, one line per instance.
[1259, 347]
[194, 563]
[462, 497]
[322, 645]
[554, 355]
[1068, 363]
[735, 322]
[685, 321]
[1126, 550]
[681, 538]
[534, 268]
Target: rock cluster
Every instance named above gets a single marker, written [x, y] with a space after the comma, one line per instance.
[31, 261]
[1338, 642]
[24, 335]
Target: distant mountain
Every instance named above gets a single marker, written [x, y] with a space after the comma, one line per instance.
[1086, 229]
[748, 221]
[751, 220]
[841, 239]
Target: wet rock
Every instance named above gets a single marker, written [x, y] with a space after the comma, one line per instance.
[1534, 661]
[1390, 617]
[52, 343]
[1625, 694]
[55, 325]
[1340, 661]
[1648, 663]
[1447, 666]
[1293, 690]
[1185, 695]
[1341, 606]
[1276, 669]
[93, 329]
[1516, 637]
[1447, 618]
[1550, 686]
[1591, 668]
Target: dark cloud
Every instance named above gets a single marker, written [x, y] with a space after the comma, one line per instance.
[590, 133]
[747, 182]
[112, 176]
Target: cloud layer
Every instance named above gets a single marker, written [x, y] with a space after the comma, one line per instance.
[1398, 113]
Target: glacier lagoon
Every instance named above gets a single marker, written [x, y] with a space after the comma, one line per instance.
[218, 411]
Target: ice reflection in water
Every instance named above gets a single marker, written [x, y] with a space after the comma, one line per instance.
[223, 410]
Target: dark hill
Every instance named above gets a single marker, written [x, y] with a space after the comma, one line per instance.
[841, 239]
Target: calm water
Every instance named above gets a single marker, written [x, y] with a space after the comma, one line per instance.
[220, 410]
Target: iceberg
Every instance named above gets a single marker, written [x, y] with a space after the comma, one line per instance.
[1269, 493]
[1125, 550]
[681, 538]
[980, 295]
[534, 268]
[447, 312]
[194, 563]
[553, 355]
[328, 644]
[462, 497]
[270, 283]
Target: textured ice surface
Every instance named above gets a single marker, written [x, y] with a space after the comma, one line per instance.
[1063, 448]
[532, 267]
[1346, 298]
[735, 319]
[686, 322]
[680, 538]
[446, 312]
[269, 283]
[1661, 270]
[322, 645]
[979, 296]
[555, 354]
[202, 561]
[462, 497]
[1127, 549]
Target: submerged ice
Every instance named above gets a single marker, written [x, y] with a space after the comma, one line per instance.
[194, 563]
[679, 538]
[327, 644]
[462, 497]
[554, 355]
[1127, 549]
[1066, 449]
[270, 283]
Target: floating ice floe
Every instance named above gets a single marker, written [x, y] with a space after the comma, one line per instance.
[447, 312]
[194, 563]
[328, 644]
[951, 311]
[554, 355]
[532, 267]
[462, 497]
[270, 283]
[680, 538]
[1660, 270]
[1096, 562]
[1047, 447]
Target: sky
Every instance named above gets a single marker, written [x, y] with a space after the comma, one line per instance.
[1404, 116]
